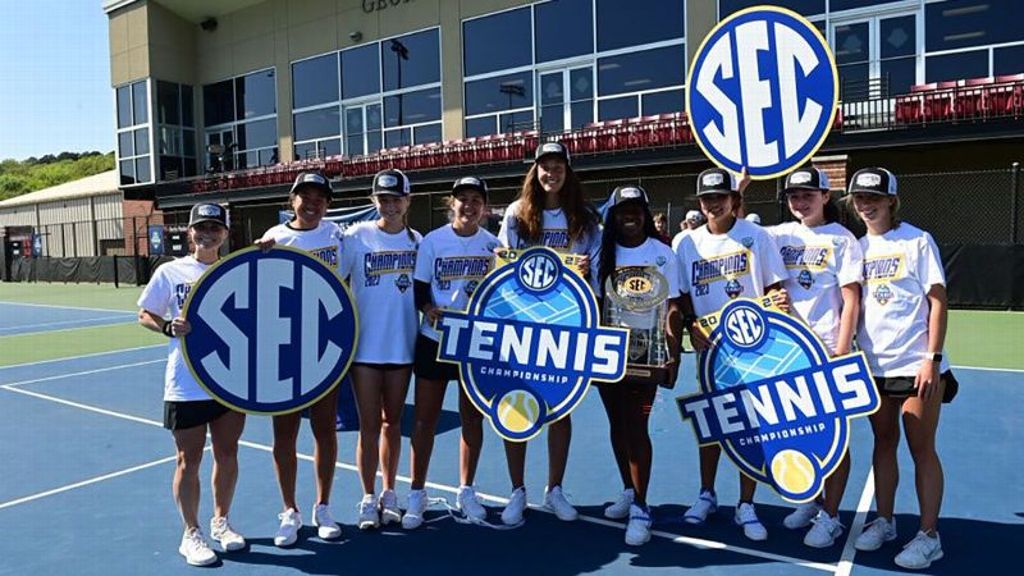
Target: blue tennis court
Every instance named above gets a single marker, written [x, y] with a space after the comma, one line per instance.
[18, 318]
[85, 486]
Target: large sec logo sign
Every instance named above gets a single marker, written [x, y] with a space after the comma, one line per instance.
[271, 332]
[762, 91]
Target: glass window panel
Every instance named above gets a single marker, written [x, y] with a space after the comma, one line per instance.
[481, 126]
[187, 114]
[140, 103]
[956, 66]
[189, 164]
[805, 7]
[330, 147]
[354, 120]
[901, 73]
[218, 103]
[411, 60]
[305, 151]
[170, 167]
[500, 93]
[851, 43]
[562, 30]
[897, 36]
[638, 71]
[582, 113]
[188, 140]
[552, 118]
[168, 144]
[551, 88]
[142, 172]
[259, 134]
[963, 23]
[1008, 61]
[125, 144]
[317, 123]
[581, 83]
[837, 5]
[254, 94]
[412, 108]
[360, 71]
[661, 20]
[142, 141]
[373, 142]
[315, 81]
[354, 142]
[167, 105]
[373, 117]
[853, 82]
[397, 138]
[127, 172]
[663, 102]
[615, 108]
[516, 121]
[426, 134]
[481, 53]
[268, 157]
[124, 107]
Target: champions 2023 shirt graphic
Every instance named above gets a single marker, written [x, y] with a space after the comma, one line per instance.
[762, 91]
[530, 343]
[272, 332]
[774, 400]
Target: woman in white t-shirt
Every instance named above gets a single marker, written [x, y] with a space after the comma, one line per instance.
[631, 240]
[902, 331]
[706, 290]
[189, 412]
[309, 198]
[550, 211]
[379, 258]
[825, 267]
[451, 262]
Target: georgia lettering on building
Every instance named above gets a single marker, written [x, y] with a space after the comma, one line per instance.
[369, 6]
[720, 268]
[461, 268]
[882, 268]
[806, 257]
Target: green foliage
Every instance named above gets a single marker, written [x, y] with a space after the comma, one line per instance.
[33, 174]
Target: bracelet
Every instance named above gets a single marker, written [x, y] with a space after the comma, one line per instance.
[166, 329]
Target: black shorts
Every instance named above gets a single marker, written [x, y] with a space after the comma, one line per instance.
[377, 366]
[184, 415]
[426, 364]
[903, 386]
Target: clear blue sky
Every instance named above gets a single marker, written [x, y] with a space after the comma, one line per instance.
[55, 93]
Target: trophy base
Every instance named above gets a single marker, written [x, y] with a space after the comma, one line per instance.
[649, 375]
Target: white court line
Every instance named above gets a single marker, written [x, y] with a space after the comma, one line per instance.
[8, 331]
[675, 538]
[987, 369]
[63, 307]
[82, 373]
[90, 355]
[846, 560]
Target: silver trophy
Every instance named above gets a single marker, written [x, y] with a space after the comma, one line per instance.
[636, 297]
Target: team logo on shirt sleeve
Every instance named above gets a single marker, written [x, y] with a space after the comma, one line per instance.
[774, 399]
[529, 344]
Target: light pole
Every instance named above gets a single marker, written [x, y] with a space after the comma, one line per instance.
[511, 88]
[402, 53]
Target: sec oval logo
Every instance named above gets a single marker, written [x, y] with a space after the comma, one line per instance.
[762, 92]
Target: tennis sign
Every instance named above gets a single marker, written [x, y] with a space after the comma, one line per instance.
[762, 92]
[774, 399]
[529, 344]
[272, 332]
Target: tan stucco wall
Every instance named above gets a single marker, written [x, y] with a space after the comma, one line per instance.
[701, 17]
[129, 44]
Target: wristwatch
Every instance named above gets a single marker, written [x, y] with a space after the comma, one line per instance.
[937, 357]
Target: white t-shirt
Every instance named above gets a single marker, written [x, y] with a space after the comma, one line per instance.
[678, 238]
[165, 296]
[820, 260]
[554, 234]
[717, 268]
[381, 267]
[453, 265]
[900, 267]
[324, 241]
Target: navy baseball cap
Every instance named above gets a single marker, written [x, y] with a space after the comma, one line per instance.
[551, 149]
[623, 194]
[716, 181]
[470, 183]
[314, 180]
[390, 182]
[809, 178]
[873, 181]
[208, 213]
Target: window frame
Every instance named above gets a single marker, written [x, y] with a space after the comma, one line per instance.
[135, 158]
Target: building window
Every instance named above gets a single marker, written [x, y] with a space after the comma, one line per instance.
[969, 23]
[482, 54]
[411, 60]
[176, 134]
[134, 157]
[563, 30]
[805, 7]
[315, 81]
[662, 20]
[240, 121]
[499, 97]
[956, 66]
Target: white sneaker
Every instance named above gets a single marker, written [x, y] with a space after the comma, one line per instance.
[920, 552]
[802, 516]
[878, 532]
[470, 504]
[824, 532]
[746, 517]
[222, 532]
[413, 517]
[638, 531]
[368, 515]
[554, 500]
[326, 527]
[707, 503]
[513, 512]
[389, 510]
[195, 549]
[288, 531]
[620, 508]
